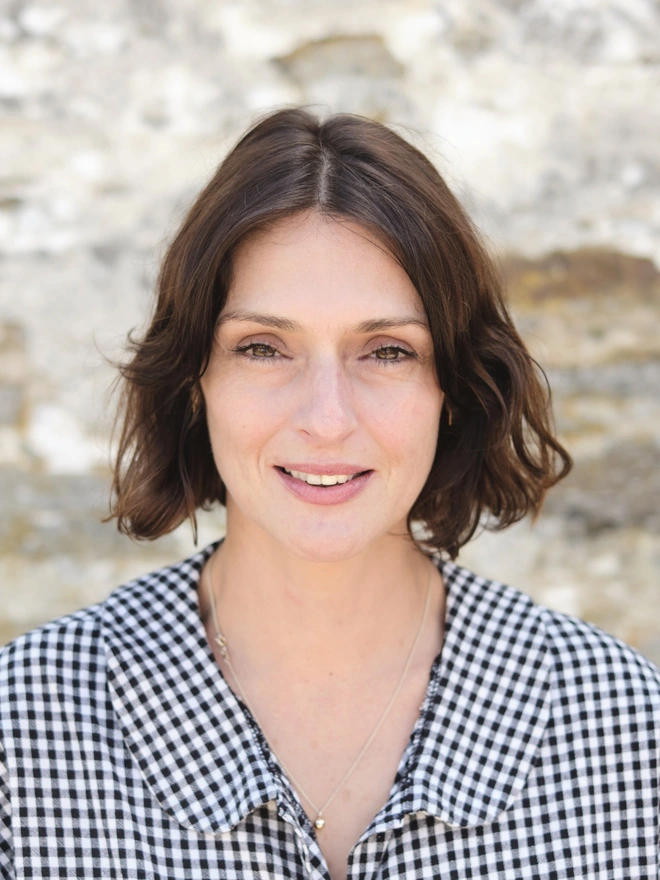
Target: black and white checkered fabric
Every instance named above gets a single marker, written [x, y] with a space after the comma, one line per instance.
[126, 755]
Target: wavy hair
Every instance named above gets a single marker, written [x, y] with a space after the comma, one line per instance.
[496, 455]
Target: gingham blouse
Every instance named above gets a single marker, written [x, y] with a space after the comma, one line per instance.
[126, 755]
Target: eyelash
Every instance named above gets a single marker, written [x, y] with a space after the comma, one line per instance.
[240, 349]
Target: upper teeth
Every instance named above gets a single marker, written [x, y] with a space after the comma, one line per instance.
[321, 479]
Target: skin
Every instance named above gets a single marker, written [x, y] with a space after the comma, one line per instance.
[320, 604]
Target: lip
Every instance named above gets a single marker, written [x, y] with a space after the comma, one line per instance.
[331, 469]
[324, 494]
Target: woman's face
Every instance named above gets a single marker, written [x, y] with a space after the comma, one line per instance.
[298, 380]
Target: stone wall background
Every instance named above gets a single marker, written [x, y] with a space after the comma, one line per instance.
[542, 114]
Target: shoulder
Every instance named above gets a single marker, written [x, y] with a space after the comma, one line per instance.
[67, 656]
[51, 680]
[591, 663]
[51, 648]
[585, 662]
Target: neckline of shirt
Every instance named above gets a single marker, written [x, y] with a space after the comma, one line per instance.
[208, 764]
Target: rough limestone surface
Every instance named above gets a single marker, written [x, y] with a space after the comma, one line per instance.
[543, 115]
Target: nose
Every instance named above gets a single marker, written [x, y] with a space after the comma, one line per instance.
[326, 407]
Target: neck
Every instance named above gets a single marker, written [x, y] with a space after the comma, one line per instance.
[319, 619]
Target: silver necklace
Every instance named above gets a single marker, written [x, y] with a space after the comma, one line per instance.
[221, 641]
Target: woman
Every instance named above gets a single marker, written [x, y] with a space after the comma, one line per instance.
[324, 693]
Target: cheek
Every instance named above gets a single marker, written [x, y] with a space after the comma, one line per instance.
[407, 421]
[238, 421]
[246, 415]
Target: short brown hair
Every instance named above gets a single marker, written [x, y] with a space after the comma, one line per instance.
[496, 453]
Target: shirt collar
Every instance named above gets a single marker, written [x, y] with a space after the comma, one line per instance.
[199, 753]
[486, 709]
[206, 762]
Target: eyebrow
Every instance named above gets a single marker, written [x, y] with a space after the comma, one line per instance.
[371, 326]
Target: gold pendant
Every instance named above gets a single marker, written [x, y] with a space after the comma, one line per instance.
[319, 823]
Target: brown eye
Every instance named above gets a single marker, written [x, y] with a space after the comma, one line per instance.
[393, 352]
[269, 350]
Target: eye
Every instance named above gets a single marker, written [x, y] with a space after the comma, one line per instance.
[262, 351]
[393, 352]
[257, 346]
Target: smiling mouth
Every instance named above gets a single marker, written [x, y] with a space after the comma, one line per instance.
[316, 480]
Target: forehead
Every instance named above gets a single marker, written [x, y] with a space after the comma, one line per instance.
[311, 262]
[307, 229]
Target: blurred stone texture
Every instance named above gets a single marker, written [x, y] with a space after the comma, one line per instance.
[543, 116]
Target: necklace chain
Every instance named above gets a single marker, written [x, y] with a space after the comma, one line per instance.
[221, 641]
